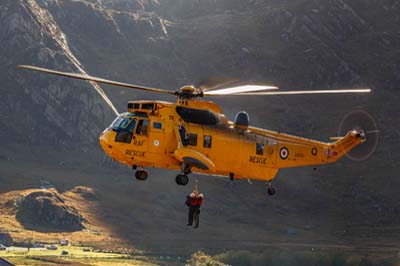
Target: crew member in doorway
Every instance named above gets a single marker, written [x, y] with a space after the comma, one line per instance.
[194, 201]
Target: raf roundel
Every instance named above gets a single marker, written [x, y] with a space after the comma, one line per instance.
[314, 151]
[284, 153]
[156, 142]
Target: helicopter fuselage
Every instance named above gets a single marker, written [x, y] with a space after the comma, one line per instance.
[196, 134]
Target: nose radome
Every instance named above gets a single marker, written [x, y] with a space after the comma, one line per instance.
[104, 140]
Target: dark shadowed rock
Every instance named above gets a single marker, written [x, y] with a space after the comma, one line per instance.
[86, 193]
[47, 211]
[6, 239]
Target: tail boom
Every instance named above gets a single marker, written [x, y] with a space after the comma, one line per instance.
[306, 152]
[345, 144]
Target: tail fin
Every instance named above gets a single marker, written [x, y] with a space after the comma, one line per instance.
[342, 145]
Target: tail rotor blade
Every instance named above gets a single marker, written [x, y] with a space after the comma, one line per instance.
[361, 121]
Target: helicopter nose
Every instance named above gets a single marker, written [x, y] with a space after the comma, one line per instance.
[105, 142]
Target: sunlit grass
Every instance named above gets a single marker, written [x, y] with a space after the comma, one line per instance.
[76, 256]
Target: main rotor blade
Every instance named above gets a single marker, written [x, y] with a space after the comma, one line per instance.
[96, 86]
[96, 79]
[215, 83]
[240, 89]
[292, 92]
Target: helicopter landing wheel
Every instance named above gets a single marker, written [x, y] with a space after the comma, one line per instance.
[141, 175]
[182, 179]
[271, 191]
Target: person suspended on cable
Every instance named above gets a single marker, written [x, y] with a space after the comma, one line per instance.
[194, 202]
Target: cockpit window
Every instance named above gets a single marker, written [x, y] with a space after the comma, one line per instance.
[124, 119]
[131, 125]
[116, 123]
[124, 124]
[124, 128]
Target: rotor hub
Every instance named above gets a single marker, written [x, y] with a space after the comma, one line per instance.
[189, 92]
[365, 128]
[360, 134]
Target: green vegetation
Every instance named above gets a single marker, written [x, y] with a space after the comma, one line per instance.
[75, 256]
[201, 259]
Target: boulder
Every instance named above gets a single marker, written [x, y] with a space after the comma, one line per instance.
[47, 211]
[6, 239]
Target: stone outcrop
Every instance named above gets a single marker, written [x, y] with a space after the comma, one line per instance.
[47, 211]
[86, 192]
[6, 239]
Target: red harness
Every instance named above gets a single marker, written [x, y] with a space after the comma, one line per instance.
[196, 201]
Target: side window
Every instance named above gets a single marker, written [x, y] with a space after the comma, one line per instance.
[187, 139]
[157, 125]
[192, 139]
[142, 128]
[259, 149]
[207, 141]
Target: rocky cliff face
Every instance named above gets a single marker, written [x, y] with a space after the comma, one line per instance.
[37, 109]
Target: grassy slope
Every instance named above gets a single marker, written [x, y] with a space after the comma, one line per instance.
[76, 256]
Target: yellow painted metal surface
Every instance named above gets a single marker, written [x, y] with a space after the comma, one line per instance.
[225, 149]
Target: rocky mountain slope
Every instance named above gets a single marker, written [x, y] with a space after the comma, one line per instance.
[34, 107]
[292, 44]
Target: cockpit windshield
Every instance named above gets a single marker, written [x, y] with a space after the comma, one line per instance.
[124, 125]
[127, 123]
[115, 124]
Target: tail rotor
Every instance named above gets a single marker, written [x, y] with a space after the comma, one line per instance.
[364, 124]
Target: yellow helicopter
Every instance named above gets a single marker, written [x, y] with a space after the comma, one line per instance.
[193, 135]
